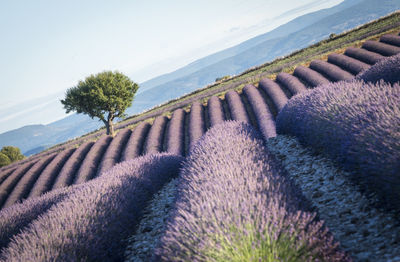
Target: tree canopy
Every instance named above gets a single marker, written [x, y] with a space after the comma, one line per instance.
[13, 153]
[105, 95]
[9, 154]
[4, 160]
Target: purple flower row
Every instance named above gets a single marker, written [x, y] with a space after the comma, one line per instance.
[175, 137]
[196, 123]
[235, 203]
[135, 143]
[357, 124]
[93, 221]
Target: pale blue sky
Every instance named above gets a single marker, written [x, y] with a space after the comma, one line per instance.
[47, 46]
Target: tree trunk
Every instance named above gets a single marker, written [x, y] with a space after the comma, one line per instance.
[110, 127]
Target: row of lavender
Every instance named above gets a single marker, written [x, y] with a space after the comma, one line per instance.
[357, 123]
[234, 203]
[338, 67]
[257, 105]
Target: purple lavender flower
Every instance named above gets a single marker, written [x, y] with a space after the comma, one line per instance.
[275, 92]
[24, 185]
[175, 133]
[236, 107]
[265, 119]
[112, 154]
[356, 123]
[291, 82]
[93, 221]
[350, 64]
[47, 177]
[196, 123]
[387, 69]
[363, 55]
[381, 48]
[216, 114]
[235, 203]
[70, 168]
[135, 143]
[154, 141]
[91, 161]
[311, 77]
[333, 72]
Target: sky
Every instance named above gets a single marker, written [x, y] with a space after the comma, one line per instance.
[47, 46]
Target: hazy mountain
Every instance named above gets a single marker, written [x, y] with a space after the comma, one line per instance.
[294, 35]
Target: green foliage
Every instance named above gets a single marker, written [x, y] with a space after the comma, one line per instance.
[4, 160]
[250, 245]
[105, 95]
[13, 153]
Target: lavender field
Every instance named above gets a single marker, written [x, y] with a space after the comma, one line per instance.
[235, 198]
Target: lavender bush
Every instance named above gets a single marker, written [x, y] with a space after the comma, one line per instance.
[274, 91]
[235, 203]
[390, 39]
[91, 162]
[91, 224]
[47, 177]
[363, 55]
[24, 185]
[310, 76]
[113, 152]
[358, 125]
[16, 217]
[70, 168]
[333, 72]
[350, 64]
[9, 183]
[265, 119]
[387, 69]
[236, 107]
[156, 134]
[216, 114]
[381, 48]
[135, 143]
[196, 123]
[175, 137]
[292, 83]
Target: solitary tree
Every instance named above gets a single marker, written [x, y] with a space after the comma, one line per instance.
[105, 95]
[13, 153]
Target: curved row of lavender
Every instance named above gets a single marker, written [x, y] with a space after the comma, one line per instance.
[357, 124]
[235, 203]
[387, 70]
[215, 111]
[24, 185]
[333, 72]
[311, 77]
[47, 177]
[92, 222]
[264, 117]
[274, 91]
[135, 143]
[196, 123]
[350, 64]
[236, 107]
[292, 83]
[113, 151]
[175, 133]
[154, 141]
[67, 174]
